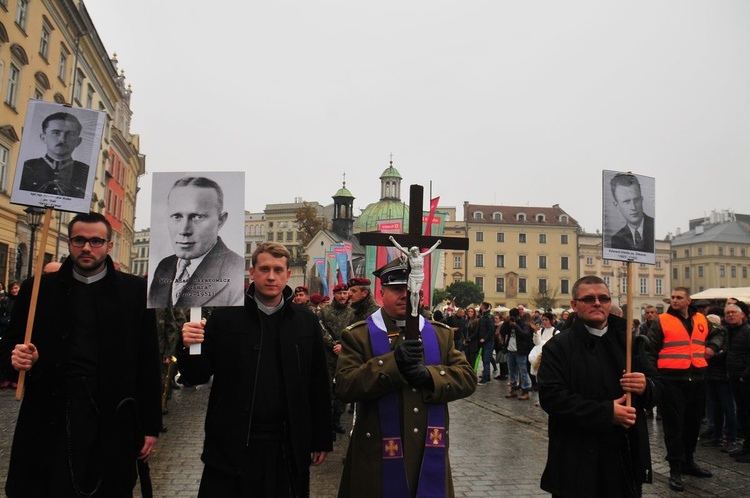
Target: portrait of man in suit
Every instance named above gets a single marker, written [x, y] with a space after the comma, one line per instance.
[57, 172]
[203, 271]
[638, 232]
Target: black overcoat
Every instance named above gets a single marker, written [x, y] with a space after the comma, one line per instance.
[128, 368]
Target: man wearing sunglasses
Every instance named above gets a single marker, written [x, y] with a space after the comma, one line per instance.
[598, 446]
[92, 399]
[681, 340]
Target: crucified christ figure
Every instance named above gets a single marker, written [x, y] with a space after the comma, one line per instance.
[416, 271]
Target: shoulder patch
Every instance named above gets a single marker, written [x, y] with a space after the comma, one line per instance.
[356, 324]
[440, 324]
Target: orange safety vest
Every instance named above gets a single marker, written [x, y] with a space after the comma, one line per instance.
[680, 350]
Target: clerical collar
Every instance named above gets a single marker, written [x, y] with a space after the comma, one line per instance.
[400, 323]
[91, 279]
[597, 332]
[269, 310]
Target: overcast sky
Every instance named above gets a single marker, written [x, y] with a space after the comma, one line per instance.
[495, 102]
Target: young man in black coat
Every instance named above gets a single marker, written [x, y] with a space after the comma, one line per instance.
[598, 446]
[269, 414]
[92, 400]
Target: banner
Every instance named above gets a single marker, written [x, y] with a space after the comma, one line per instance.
[343, 261]
[320, 264]
[432, 224]
[385, 254]
[332, 270]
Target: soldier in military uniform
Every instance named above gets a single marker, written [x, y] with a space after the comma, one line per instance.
[335, 319]
[360, 299]
[399, 396]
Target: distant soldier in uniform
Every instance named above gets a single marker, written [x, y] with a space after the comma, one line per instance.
[360, 299]
[336, 318]
[399, 445]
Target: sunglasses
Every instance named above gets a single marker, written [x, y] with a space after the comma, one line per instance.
[593, 299]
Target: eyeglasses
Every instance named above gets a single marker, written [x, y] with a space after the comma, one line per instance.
[94, 242]
[593, 299]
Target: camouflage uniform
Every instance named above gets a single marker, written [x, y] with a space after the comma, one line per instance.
[169, 323]
[335, 318]
[364, 308]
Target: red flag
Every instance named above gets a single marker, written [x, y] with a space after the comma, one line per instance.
[433, 207]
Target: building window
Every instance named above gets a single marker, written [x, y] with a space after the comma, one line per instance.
[289, 236]
[675, 274]
[687, 272]
[607, 280]
[22, 13]
[731, 251]
[700, 251]
[564, 263]
[687, 253]
[480, 236]
[658, 264]
[733, 271]
[500, 260]
[499, 284]
[742, 252]
[270, 236]
[89, 96]
[497, 216]
[522, 261]
[722, 272]
[11, 95]
[479, 260]
[542, 238]
[606, 262]
[644, 285]
[542, 262]
[521, 217]
[543, 285]
[674, 254]
[478, 216]
[540, 218]
[589, 260]
[721, 251]
[563, 219]
[744, 272]
[700, 271]
[659, 286]
[501, 237]
[78, 86]
[4, 154]
[457, 262]
[521, 238]
[624, 284]
[44, 43]
[564, 239]
[480, 282]
[564, 286]
[522, 285]
[279, 236]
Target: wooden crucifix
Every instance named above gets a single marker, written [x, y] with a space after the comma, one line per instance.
[413, 239]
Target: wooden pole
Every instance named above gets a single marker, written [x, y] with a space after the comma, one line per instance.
[34, 294]
[629, 326]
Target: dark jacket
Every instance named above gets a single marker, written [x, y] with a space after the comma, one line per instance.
[128, 366]
[580, 407]
[524, 336]
[738, 352]
[230, 353]
[487, 328]
[717, 364]
[623, 239]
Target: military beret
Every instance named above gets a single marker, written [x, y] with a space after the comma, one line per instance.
[394, 273]
[326, 299]
[301, 288]
[316, 299]
[365, 282]
[340, 287]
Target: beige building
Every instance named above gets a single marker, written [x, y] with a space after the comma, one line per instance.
[714, 253]
[652, 281]
[518, 254]
[255, 234]
[139, 257]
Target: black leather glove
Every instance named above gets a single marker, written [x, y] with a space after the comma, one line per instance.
[408, 354]
[418, 376]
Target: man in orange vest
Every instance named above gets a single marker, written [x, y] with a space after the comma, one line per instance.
[681, 340]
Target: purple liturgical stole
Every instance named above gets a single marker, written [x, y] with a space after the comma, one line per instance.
[432, 475]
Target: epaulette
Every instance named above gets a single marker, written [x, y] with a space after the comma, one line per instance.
[440, 324]
[356, 324]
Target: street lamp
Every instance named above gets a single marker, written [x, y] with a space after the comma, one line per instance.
[34, 220]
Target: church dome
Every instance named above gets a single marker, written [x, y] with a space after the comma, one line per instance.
[389, 207]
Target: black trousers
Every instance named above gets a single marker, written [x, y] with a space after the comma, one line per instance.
[741, 391]
[682, 407]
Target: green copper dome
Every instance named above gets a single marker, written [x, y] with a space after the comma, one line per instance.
[391, 172]
[343, 192]
[382, 210]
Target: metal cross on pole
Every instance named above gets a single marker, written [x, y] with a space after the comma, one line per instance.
[413, 239]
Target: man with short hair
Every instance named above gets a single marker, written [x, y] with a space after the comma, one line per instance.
[302, 295]
[203, 271]
[678, 340]
[335, 319]
[92, 399]
[486, 340]
[457, 323]
[360, 299]
[399, 444]
[598, 446]
[269, 415]
[649, 315]
[638, 232]
[518, 339]
[57, 172]
[738, 369]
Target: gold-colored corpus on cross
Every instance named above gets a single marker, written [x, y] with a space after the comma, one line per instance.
[391, 448]
[436, 436]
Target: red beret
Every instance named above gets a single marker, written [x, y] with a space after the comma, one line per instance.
[316, 299]
[340, 287]
[326, 299]
[360, 281]
[301, 288]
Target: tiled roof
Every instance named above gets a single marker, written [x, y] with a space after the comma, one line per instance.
[735, 232]
[510, 215]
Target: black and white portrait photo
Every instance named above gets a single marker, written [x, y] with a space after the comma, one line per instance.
[58, 157]
[629, 203]
[197, 240]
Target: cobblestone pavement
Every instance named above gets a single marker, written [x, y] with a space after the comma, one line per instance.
[498, 449]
